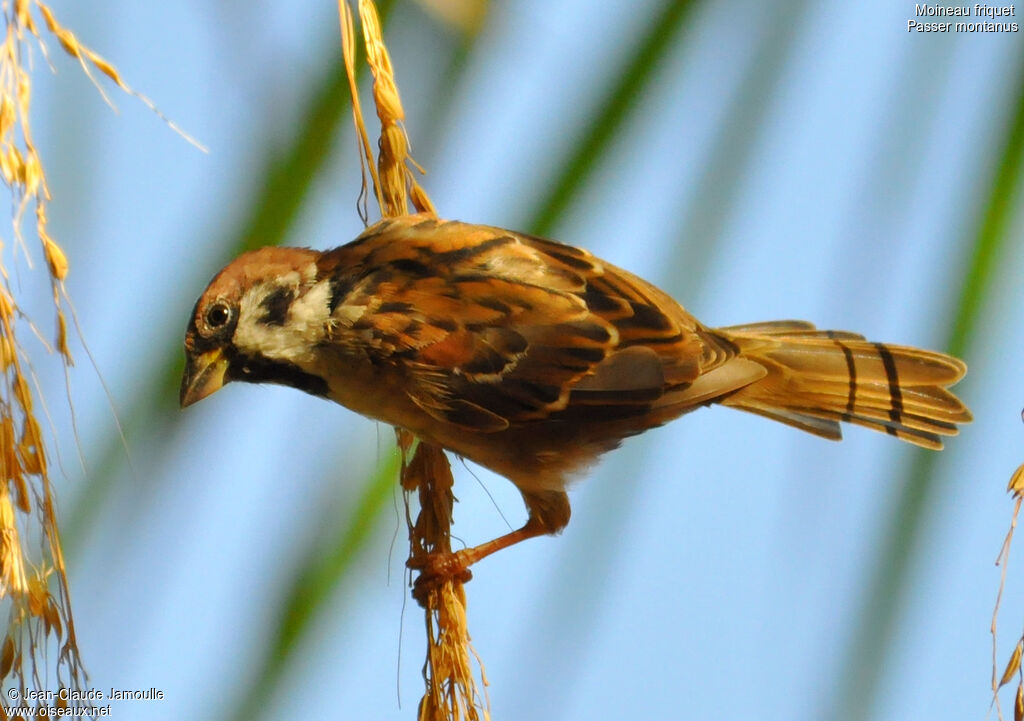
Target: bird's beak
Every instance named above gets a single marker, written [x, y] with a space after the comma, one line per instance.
[204, 374]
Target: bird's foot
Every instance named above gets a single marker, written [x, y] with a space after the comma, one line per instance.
[435, 569]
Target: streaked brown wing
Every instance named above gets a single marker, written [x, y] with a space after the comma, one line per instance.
[497, 329]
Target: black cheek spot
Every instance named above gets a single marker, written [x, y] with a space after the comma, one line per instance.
[276, 306]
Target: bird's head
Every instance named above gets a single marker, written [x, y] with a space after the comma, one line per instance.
[257, 322]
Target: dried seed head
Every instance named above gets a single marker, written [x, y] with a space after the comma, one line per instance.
[450, 687]
[6, 353]
[1016, 484]
[87, 58]
[6, 657]
[25, 491]
[1013, 665]
[392, 176]
[55, 259]
[51, 615]
[12, 560]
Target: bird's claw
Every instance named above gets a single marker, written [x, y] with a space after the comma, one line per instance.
[434, 570]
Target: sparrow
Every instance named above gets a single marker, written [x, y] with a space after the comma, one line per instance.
[533, 358]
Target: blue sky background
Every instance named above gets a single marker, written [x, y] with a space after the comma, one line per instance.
[715, 568]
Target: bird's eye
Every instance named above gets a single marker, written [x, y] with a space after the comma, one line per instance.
[218, 315]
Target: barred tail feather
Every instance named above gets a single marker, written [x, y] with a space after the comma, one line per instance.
[815, 379]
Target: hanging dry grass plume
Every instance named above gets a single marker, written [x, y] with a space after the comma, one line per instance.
[448, 671]
[33, 581]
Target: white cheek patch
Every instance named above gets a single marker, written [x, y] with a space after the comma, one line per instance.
[310, 311]
[305, 325]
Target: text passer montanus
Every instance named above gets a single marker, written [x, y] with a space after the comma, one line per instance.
[533, 358]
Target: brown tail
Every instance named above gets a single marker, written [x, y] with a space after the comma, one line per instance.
[817, 378]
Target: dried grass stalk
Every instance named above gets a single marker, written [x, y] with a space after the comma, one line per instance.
[33, 582]
[448, 670]
[448, 674]
[394, 182]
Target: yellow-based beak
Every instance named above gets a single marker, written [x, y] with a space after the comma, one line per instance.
[204, 374]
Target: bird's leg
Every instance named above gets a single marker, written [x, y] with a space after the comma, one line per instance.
[436, 568]
[549, 513]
